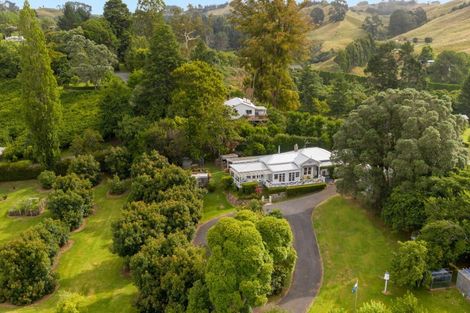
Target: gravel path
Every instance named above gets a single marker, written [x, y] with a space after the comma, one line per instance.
[308, 269]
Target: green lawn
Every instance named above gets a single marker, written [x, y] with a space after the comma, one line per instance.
[215, 203]
[88, 267]
[17, 192]
[355, 245]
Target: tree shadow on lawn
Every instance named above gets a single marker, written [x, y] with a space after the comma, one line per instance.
[104, 287]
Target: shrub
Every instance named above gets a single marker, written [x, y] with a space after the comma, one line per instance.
[88, 142]
[117, 186]
[80, 186]
[51, 233]
[428, 39]
[303, 189]
[67, 206]
[21, 170]
[409, 263]
[46, 179]
[211, 186]
[249, 187]
[69, 303]
[25, 271]
[117, 162]
[28, 207]
[62, 166]
[227, 182]
[86, 167]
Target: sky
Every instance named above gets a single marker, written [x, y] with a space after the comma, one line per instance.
[97, 5]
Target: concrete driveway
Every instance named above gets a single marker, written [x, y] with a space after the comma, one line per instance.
[308, 269]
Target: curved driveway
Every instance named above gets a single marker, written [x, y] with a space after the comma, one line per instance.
[308, 269]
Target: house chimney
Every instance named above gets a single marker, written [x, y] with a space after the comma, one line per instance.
[296, 147]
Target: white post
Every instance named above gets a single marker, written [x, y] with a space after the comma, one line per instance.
[386, 278]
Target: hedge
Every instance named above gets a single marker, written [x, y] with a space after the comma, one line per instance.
[21, 170]
[274, 190]
[249, 188]
[303, 189]
[443, 86]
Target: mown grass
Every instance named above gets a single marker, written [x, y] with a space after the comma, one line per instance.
[88, 267]
[215, 203]
[355, 245]
[17, 192]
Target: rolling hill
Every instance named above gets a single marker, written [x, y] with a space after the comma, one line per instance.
[450, 31]
[337, 35]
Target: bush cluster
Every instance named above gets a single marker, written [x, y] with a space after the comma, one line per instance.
[117, 186]
[86, 167]
[26, 263]
[71, 200]
[249, 188]
[154, 231]
[47, 179]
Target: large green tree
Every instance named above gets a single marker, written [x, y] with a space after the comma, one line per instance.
[239, 269]
[89, 61]
[450, 67]
[153, 96]
[119, 18]
[74, 13]
[275, 36]
[338, 10]
[446, 242]
[40, 96]
[164, 271]
[394, 137]
[198, 96]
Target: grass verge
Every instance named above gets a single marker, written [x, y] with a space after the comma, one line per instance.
[215, 203]
[88, 267]
[355, 245]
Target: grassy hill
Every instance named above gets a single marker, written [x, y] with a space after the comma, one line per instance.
[449, 32]
[337, 35]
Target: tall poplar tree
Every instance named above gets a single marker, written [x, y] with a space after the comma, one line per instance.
[275, 36]
[40, 96]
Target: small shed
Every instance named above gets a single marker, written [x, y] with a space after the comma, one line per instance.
[463, 282]
[224, 159]
[202, 179]
[440, 279]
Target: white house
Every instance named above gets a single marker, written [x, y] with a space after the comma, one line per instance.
[244, 107]
[297, 167]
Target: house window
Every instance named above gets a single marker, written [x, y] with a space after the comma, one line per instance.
[291, 176]
[307, 171]
[249, 112]
[297, 174]
[282, 177]
[276, 176]
[248, 177]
